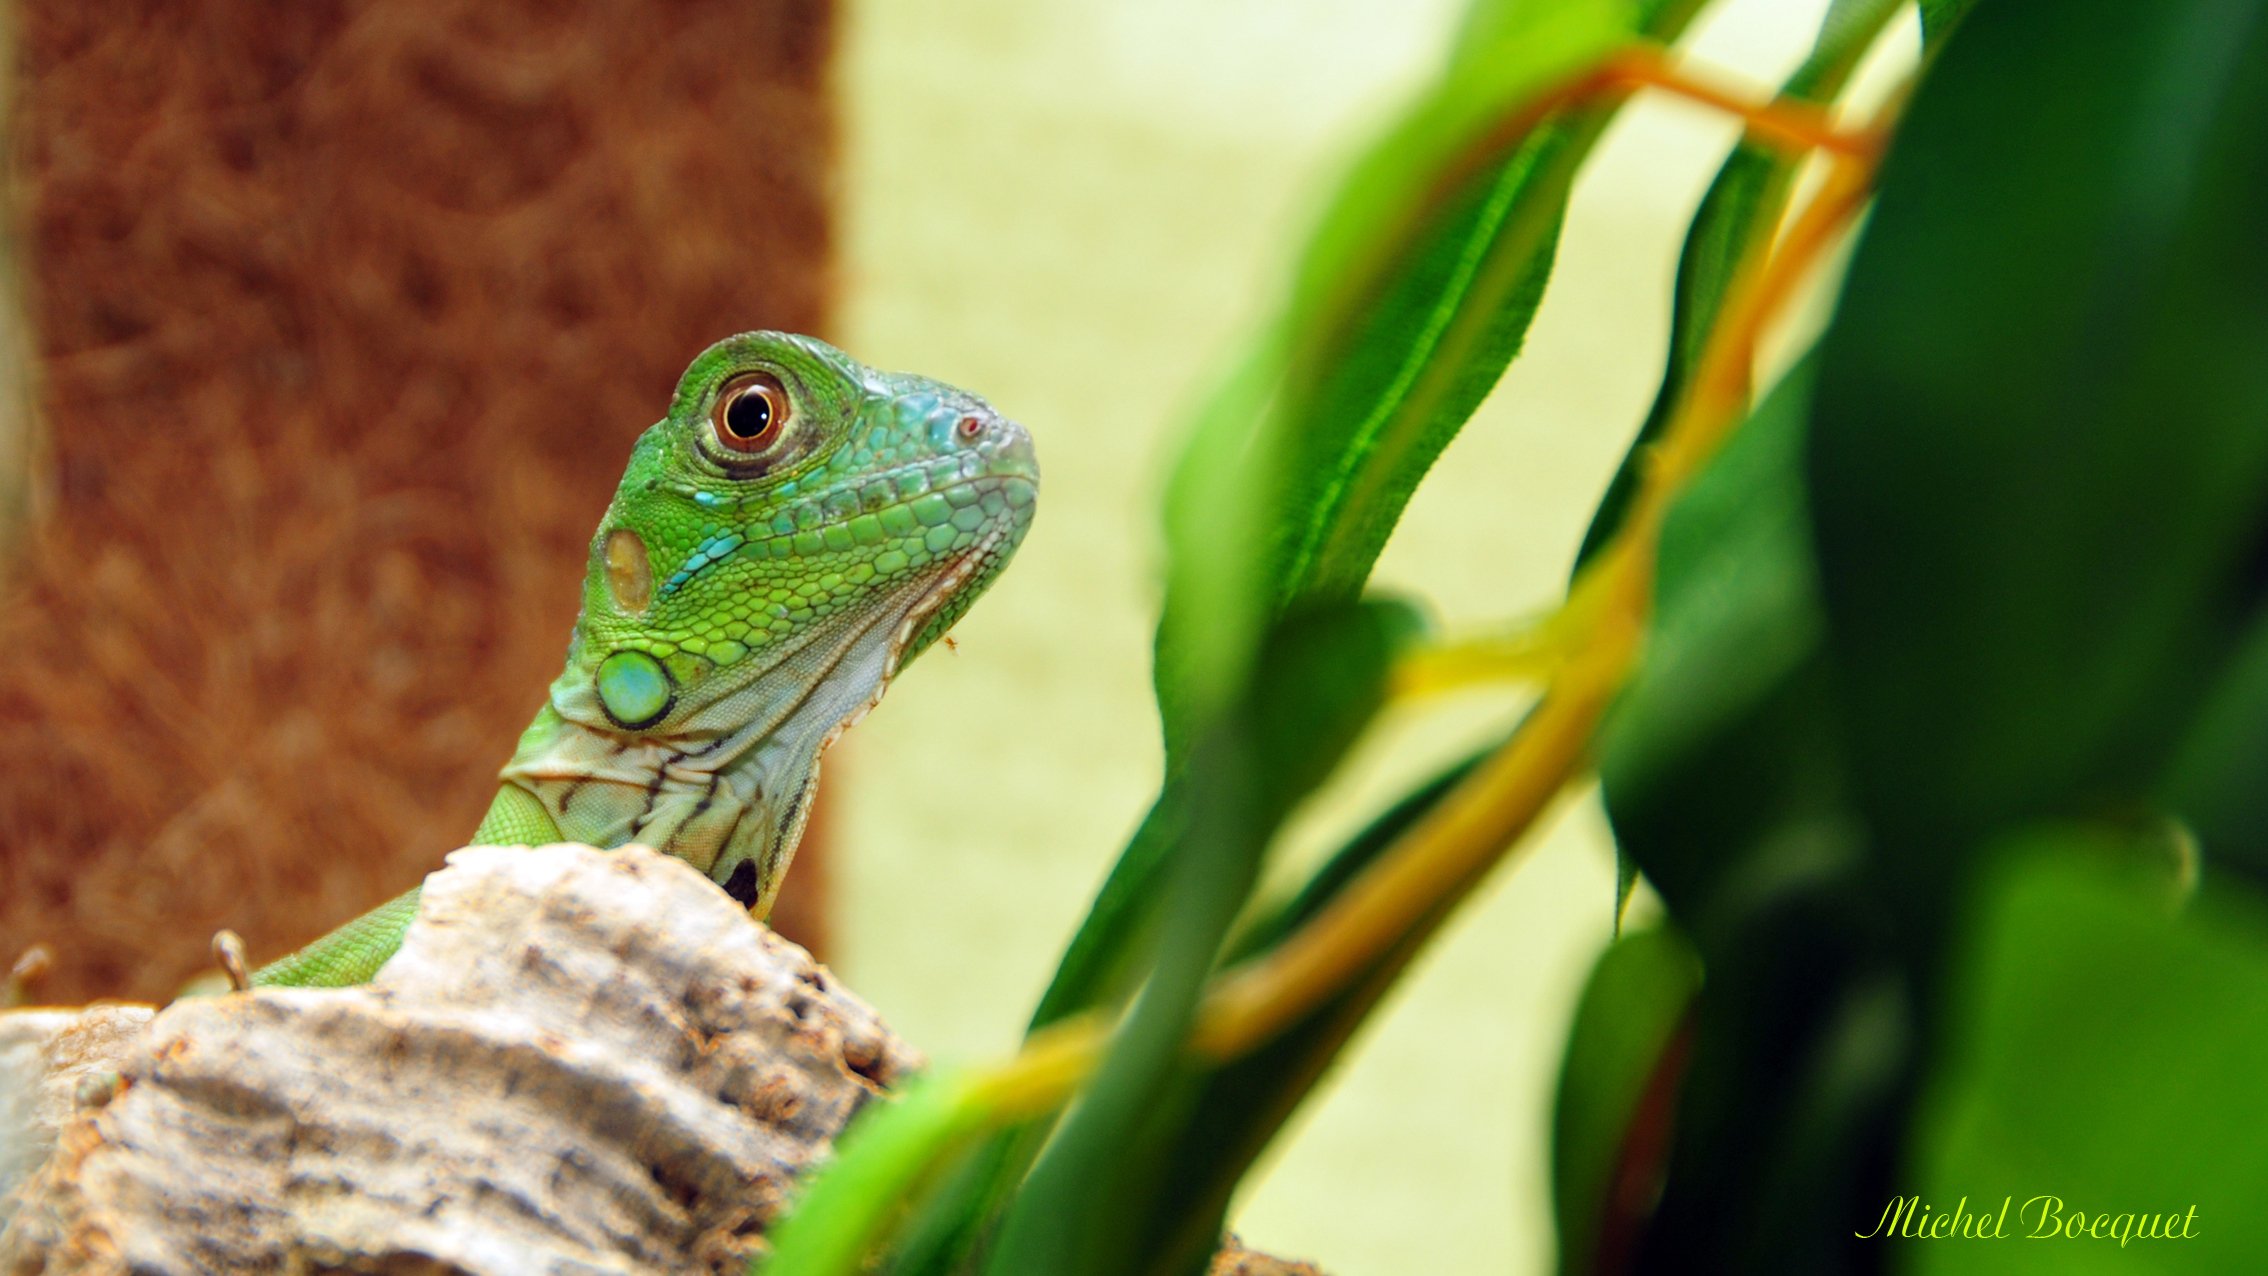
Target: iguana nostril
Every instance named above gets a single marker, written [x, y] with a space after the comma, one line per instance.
[971, 429]
[1010, 450]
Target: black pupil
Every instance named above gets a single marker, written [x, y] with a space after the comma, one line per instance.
[749, 414]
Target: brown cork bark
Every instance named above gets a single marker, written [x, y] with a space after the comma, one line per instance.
[580, 1061]
[1235, 1260]
[344, 317]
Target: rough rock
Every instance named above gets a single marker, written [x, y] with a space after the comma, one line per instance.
[53, 1062]
[581, 1061]
[1235, 1260]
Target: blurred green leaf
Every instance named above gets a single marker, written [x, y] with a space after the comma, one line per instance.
[1723, 735]
[1723, 775]
[2214, 780]
[1318, 681]
[1236, 1109]
[2151, 856]
[1407, 306]
[951, 1224]
[2104, 1051]
[882, 1156]
[1638, 996]
[2039, 457]
[1804, 1035]
[1940, 17]
[2033, 475]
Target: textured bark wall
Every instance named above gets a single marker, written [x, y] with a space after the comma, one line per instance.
[344, 317]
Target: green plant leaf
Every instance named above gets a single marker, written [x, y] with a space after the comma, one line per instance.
[885, 1153]
[2039, 457]
[1805, 1031]
[1723, 737]
[1722, 771]
[1635, 1006]
[1407, 306]
[1236, 1109]
[1319, 679]
[2107, 1052]
[1940, 17]
[2033, 481]
[2214, 780]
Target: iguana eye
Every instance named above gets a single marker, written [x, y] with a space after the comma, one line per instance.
[751, 413]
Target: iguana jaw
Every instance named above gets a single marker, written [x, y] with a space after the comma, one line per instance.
[977, 565]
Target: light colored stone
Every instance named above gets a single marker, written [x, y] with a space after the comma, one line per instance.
[580, 1061]
[49, 1061]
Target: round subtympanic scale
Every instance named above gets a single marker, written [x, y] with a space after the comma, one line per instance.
[634, 688]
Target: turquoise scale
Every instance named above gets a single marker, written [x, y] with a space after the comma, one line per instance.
[634, 688]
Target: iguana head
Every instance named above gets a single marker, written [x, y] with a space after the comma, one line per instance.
[793, 531]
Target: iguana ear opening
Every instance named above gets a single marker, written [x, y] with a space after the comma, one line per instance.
[629, 571]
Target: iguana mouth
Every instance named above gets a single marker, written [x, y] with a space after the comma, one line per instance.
[838, 506]
[941, 591]
[964, 566]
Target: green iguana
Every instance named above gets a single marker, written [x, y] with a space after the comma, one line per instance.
[796, 529]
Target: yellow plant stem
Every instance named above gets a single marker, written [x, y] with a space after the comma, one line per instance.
[1596, 635]
[1530, 656]
[1052, 1063]
[1795, 125]
[1587, 649]
[1449, 848]
[1718, 397]
[1787, 122]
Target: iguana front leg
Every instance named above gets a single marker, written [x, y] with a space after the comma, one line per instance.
[354, 952]
[794, 530]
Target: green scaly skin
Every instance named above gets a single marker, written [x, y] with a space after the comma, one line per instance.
[739, 612]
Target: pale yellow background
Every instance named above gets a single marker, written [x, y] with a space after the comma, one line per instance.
[1076, 209]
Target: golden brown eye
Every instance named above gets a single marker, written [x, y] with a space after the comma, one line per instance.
[751, 413]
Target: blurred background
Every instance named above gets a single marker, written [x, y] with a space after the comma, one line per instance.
[337, 322]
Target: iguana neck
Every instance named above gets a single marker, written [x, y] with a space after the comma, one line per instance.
[729, 790]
